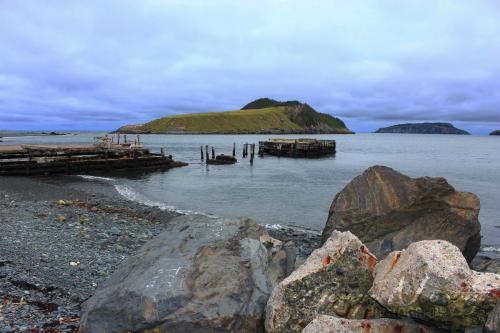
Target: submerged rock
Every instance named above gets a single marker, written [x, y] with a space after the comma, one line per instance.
[334, 280]
[329, 324]
[431, 281]
[200, 275]
[388, 211]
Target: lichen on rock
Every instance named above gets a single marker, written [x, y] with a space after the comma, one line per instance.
[431, 281]
[334, 280]
[330, 324]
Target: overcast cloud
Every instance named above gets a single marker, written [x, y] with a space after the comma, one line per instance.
[100, 64]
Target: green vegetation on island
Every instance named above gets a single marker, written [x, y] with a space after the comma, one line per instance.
[260, 116]
[496, 132]
[423, 128]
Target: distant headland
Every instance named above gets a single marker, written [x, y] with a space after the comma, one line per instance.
[497, 132]
[423, 128]
[262, 116]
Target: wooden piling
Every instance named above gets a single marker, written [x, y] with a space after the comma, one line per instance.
[213, 153]
[252, 152]
[162, 152]
[206, 153]
[201, 152]
[234, 149]
[125, 138]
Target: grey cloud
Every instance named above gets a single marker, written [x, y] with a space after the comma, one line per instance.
[94, 64]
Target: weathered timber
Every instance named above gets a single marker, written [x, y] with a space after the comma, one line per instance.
[222, 159]
[70, 159]
[303, 147]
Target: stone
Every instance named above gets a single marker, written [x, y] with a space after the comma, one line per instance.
[486, 264]
[431, 281]
[493, 323]
[330, 324]
[200, 275]
[334, 280]
[388, 211]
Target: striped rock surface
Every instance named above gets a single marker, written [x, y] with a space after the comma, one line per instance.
[388, 211]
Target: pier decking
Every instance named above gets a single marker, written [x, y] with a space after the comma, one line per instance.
[303, 147]
[27, 160]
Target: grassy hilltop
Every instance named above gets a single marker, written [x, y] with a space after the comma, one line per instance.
[260, 116]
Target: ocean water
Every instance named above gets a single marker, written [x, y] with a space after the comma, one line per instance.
[298, 192]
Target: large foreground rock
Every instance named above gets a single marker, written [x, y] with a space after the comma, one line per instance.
[201, 275]
[431, 281]
[388, 211]
[334, 280]
[329, 324]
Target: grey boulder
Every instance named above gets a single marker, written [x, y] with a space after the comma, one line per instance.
[334, 280]
[493, 322]
[388, 211]
[431, 281]
[200, 275]
[330, 324]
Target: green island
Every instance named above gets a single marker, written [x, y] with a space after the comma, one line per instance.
[262, 116]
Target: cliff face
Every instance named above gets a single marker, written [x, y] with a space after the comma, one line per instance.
[497, 132]
[423, 128]
[259, 117]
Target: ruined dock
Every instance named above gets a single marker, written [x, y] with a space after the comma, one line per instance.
[41, 159]
[303, 147]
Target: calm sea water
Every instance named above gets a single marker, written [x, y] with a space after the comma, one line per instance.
[298, 192]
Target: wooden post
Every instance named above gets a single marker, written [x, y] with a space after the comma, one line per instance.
[213, 153]
[138, 139]
[118, 138]
[162, 151]
[201, 152]
[125, 138]
[234, 149]
[206, 153]
[252, 153]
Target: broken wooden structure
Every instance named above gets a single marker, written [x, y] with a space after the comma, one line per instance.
[104, 155]
[222, 159]
[303, 147]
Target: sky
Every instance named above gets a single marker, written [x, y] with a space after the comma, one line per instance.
[100, 64]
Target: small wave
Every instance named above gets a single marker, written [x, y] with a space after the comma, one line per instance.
[490, 249]
[129, 194]
[96, 178]
[275, 226]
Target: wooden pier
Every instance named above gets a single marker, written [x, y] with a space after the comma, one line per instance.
[27, 160]
[305, 148]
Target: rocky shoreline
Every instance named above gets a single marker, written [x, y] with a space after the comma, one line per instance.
[75, 255]
[59, 242]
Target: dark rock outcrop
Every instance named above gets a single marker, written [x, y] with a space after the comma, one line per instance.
[485, 264]
[431, 281]
[388, 211]
[334, 280]
[423, 128]
[493, 323]
[497, 132]
[329, 324]
[200, 275]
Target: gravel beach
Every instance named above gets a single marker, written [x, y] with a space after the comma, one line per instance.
[61, 237]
